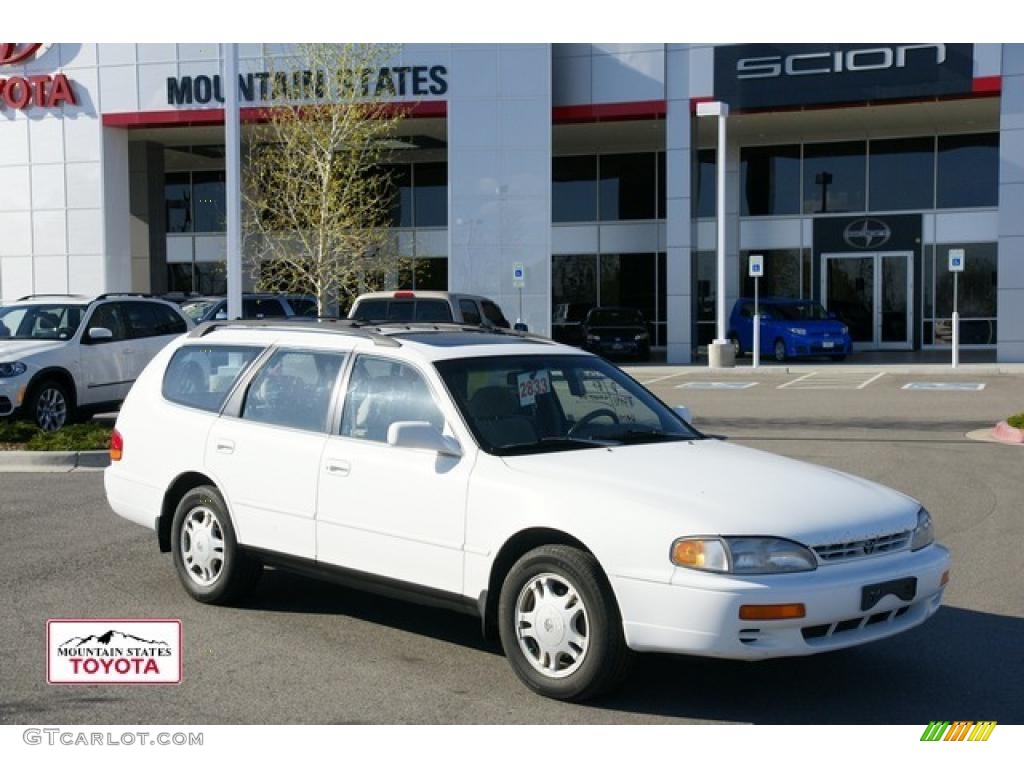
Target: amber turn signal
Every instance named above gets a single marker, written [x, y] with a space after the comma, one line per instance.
[768, 612]
[945, 579]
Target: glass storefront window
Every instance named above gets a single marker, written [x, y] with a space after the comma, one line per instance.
[400, 184]
[574, 188]
[178, 202]
[968, 170]
[705, 184]
[770, 180]
[902, 174]
[209, 201]
[430, 194]
[661, 185]
[628, 280]
[834, 177]
[627, 187]
[429, 274]
[704, 270]
[783, 277]
[977, 294]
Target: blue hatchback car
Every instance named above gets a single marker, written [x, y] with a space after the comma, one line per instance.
[789, 328]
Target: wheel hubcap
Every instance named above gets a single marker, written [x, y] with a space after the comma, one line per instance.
[780, 351]
[51, 410]
[552, 625]
[202, 546]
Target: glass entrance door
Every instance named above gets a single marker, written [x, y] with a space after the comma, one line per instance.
[871, 293]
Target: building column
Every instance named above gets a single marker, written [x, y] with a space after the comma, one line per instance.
[678, 205]
[1010, 297]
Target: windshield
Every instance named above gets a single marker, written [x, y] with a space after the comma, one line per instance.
[53, 322]
[614, 317]
[805, 310]
[195, 310]
[523, 404]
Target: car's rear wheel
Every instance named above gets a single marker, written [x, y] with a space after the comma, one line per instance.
[560, 626]
[838, 358]
[206, 555]
[736, 345]
[50, 406]
[780, 350]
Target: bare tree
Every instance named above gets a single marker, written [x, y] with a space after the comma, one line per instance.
[316, 197]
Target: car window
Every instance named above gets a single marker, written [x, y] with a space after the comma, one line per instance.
[371, 311]
[141, 320]
[401, 311]
[747, 310]
[493, 313]
[195, 310]
[381, 392]
[56, 322]
[303, 307]
[470, 314]
[293, 389]
[433, 311]
[167, 321]
[111, 317]
[257, 309]
[202, 376]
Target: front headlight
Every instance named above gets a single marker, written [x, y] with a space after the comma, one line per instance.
[8, 370]
[798, 331]
[844, 330]
[743, 555]
[640, 337]
[924, 533]
[593, 339]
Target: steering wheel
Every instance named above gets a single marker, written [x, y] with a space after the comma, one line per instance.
[595, 414]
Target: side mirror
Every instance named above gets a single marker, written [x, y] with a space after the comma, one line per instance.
[100, 334]
[222, 315]
[521, 327]
[683, 412]
[423, 436]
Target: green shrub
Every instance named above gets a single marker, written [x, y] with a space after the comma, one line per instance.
[1016, 421]
[17, 431]
[77, 437]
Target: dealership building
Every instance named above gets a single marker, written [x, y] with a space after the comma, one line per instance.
[854, 169]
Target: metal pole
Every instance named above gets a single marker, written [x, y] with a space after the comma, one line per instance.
[720, 222]
[757, 325]
[233, 173]
[956, 323]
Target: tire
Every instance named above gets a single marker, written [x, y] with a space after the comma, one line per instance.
[593, 663]
[780, 350]
[736, 346]
[50, 405]
[205, 576]
[838, 358]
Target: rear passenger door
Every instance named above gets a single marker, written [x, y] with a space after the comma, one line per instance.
[150, 326]
[265, 451]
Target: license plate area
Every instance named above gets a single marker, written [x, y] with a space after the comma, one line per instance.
[904, 589]
[828, 344]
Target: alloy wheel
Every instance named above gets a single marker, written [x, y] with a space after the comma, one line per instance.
[51, 409]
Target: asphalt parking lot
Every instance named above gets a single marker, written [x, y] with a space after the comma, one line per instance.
[299, 651]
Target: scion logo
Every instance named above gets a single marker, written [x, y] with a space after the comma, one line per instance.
[16, 53]
[867, 233]
[113, 651]
[828, 62]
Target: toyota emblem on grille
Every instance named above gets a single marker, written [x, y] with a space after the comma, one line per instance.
[867, 233]
[869, 546]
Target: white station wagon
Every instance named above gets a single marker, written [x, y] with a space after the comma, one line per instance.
[528, 483]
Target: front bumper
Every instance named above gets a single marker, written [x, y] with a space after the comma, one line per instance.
[698, 613]
[12, 392]
[623, 348]
[812, 345]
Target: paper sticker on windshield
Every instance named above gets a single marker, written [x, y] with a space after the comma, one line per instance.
[532, 384]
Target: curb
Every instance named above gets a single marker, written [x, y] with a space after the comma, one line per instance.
[53, 461]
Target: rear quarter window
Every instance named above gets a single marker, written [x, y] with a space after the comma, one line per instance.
[203, 376]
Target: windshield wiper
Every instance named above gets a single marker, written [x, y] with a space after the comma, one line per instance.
[546, 444]
[634, 436]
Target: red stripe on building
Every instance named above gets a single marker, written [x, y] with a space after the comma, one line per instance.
[189, 117]
[988, 85]
[598, 113]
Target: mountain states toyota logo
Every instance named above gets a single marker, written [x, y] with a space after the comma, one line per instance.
[867, 233]
[113, 651]
[16, 53]
[32, 90]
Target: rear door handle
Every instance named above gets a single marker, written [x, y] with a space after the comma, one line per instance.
[225, 446]
[338, 467]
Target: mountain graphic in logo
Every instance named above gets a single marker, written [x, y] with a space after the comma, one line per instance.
[108, 638]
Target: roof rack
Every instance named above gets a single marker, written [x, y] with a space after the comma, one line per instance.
[53, 295]
[327, 325]
[464, 327]
[125, 293]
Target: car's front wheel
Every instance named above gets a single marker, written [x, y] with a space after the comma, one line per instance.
[780, 350]
[560, 626]
[50, 405]
[206, 555]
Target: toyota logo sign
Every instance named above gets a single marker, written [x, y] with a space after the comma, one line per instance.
[867, 233]
[15, 53]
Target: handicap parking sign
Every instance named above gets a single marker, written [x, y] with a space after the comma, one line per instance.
[956, 259]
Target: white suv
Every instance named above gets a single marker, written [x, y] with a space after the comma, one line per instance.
[528, 483]
[62, 356]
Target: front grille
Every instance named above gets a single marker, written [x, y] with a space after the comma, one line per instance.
[847, 550]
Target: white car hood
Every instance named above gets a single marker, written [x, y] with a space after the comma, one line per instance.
[12, 351]
[717, 488]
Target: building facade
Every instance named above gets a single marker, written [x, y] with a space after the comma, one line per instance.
[854, 169]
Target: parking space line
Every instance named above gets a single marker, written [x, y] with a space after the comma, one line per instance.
[794, 381]
[874, 378]
[662, 378]
[944, 386]
[717, 385]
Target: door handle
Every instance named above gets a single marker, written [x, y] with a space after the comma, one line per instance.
[338, 467]
[225, 446]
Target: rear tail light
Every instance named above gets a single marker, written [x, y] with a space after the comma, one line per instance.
[116, 446]
[404, 295]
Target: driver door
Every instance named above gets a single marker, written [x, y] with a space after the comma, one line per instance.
[108, 364]
[385, 510]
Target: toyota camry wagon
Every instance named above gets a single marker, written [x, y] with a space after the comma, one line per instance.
[530, 484]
